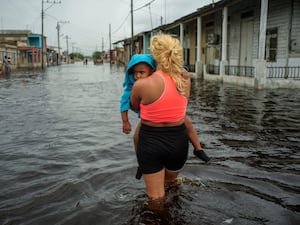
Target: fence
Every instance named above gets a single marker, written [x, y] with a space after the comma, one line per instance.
[213, 69]
[283, 72]
[243, 71]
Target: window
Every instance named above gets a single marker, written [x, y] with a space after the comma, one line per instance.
[271, 45]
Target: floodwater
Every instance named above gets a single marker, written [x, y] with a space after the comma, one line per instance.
[64, 158]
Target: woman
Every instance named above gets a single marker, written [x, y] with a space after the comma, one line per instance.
[162, 98]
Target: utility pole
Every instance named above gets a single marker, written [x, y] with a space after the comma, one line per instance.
[110, 55]
[42, 35]
[73, 43]
[43, 12]
[165, 11]
[73, 52]
[148, 4]
[58, 44]
[102, 45]
[150, 16]
[58, 39]
[102, 52]
[131, 51]
[67, 42]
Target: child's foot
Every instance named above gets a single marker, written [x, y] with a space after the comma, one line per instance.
[201, 155]
[138, 174]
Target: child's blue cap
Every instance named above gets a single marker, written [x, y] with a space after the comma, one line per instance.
[140, 58]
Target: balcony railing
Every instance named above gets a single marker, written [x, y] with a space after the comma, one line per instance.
[212, 69]
[243, 71]
[283, 72]
[249, 71]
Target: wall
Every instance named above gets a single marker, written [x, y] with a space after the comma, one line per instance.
[34, 40]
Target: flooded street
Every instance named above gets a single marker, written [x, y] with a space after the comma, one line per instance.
[64, 159]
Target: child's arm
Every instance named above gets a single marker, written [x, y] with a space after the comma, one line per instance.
[125, 122]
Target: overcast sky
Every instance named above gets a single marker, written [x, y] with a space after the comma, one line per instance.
[88, 27]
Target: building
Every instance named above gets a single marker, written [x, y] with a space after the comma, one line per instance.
[25, 49]
[252, 43]
[10, 40]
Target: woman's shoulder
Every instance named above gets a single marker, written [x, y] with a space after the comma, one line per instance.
[152, 78]
[151, 82]
[141, 83]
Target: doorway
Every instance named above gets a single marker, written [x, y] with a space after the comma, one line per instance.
[246, 42]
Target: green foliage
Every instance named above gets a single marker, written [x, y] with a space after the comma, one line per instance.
[98, 55]
[76, 55]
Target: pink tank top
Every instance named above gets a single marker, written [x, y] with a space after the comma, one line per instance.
[170, 107]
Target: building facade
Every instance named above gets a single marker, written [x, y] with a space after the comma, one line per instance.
[247, 42]
[25, 49]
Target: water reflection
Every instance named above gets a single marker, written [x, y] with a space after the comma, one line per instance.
[4, 76]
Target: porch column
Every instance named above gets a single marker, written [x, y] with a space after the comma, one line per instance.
[181, 34]
[261, 65]
[224, 62]
[32, 56]
[181, 40]
[145, 48]
[199, 41]
[262, 29]
[40, 56]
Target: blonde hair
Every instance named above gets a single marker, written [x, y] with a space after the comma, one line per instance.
[167, 53]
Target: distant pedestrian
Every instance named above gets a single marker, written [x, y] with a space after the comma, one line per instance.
[6, 63]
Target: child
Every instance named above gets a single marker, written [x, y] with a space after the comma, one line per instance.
[141, 66]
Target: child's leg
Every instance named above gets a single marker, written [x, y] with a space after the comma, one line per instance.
[139, 173]
[136, 135]
[192, 133]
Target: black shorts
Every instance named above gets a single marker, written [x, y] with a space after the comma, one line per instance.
[162, 147]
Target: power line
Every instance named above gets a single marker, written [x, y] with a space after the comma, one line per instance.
[120, 26]
[147, 4]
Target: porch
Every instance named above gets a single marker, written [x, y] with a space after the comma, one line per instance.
[29, 57]
[275, 77]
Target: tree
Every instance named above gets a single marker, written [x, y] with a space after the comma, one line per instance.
[98, 55]
[76, 55]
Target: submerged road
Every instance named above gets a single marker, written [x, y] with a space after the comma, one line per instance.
[65, 160]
